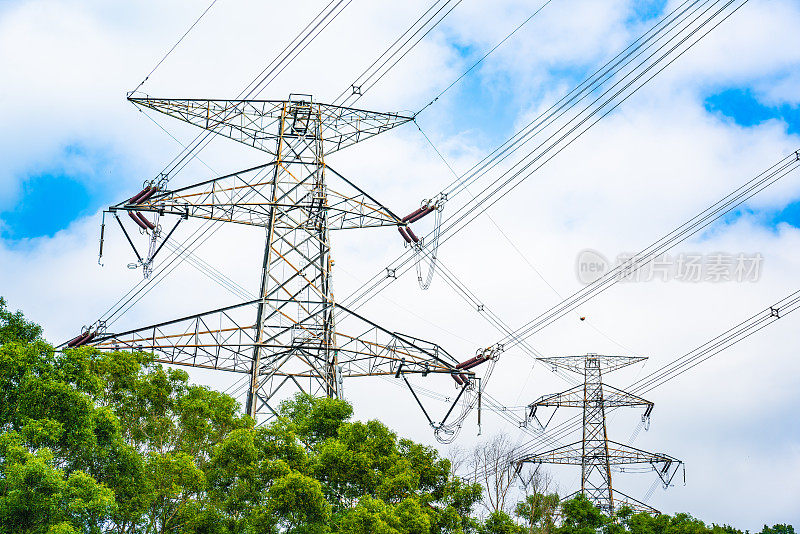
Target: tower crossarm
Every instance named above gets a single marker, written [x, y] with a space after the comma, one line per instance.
[224, 339]
[637, 507]
[564, 455]
[243, 198]
[573, 397]
[221, 339]
[604, 363]
[618, 454]
[257, 122]
[351, 207]
[378, 351]
[616, 398]
[576, 397]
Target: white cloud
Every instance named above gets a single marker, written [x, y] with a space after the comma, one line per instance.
[638, 174]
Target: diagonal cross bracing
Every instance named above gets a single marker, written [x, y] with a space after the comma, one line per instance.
[257, 122]
[595, 453]
[286, 340]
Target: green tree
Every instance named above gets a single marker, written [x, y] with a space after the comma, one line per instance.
[499, 522]
[94, 442]
[14, 326]
[126, 445]
[677, 524]
[114, 422]
[372, 480]
[581, 516]
[778, 529]
[37, 497]
[537, 510]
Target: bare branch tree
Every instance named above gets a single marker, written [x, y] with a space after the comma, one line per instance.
[489, 463]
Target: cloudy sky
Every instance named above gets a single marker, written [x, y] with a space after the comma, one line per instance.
[718, 116]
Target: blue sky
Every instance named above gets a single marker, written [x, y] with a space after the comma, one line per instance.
[647, 9]
[790, 214]
[47, 203]
[73, 183]
[64, 164]
[743, 107]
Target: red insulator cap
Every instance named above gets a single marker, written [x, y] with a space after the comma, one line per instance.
[420, 215]
[413, 213]
[150, 192]
[74, 341]
[476, 363]
[137, 220]
[404, 234]
[145, 221]
[467, 362]
[86, 340]
[135, 198]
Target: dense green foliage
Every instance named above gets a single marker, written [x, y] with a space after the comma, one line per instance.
[14, 326]
[111, 442]
[95, 442]
[581, 517]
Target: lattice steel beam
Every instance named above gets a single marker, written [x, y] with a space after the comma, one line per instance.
[258, 123]
[605, 364]
[222, 339]
[618, 454]
[240, 198]
[595, 453]
[574, 398]
[287, 337]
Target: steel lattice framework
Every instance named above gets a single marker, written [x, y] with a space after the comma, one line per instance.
[287, 338]
[595, 453]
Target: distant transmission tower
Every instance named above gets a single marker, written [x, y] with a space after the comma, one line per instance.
[287, 339]
[595, 453]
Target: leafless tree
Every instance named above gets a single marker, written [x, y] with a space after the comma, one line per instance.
[458, 457]
[489, 463]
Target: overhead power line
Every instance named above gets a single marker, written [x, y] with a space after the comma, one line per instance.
[688, 361]
[179, 41]
[519, 337]
[401, 46]
[192, 150]
[482, 59]
[714, 212]
[692, 25]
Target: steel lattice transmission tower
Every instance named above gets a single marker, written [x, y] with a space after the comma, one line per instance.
[287, 339]
[595, 453]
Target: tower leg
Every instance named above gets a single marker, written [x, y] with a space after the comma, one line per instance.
[296, 332]
[595, 464]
